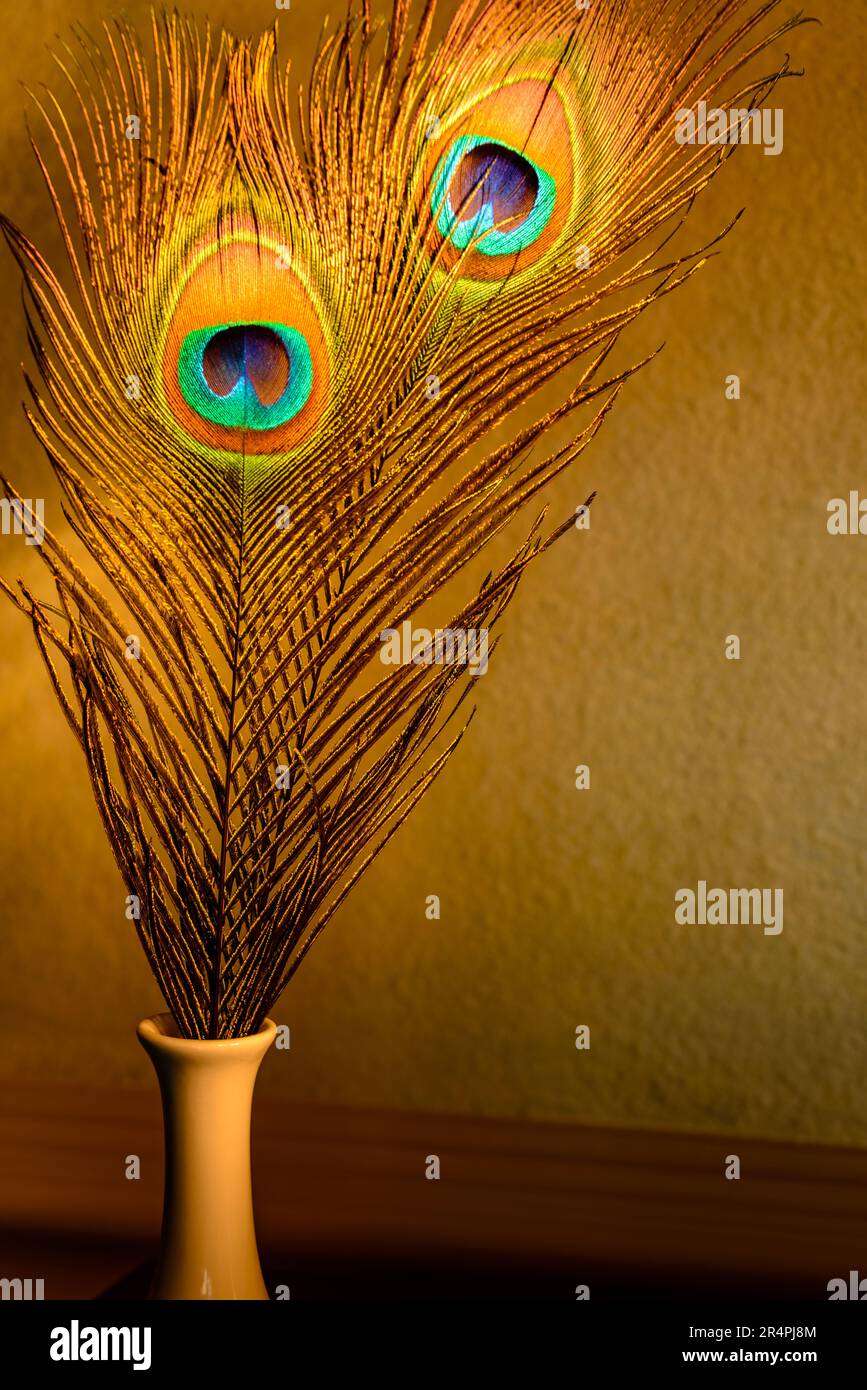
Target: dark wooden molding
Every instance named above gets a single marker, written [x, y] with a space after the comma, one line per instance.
[544, 1206]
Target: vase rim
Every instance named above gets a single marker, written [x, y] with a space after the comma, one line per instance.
[161, 1031]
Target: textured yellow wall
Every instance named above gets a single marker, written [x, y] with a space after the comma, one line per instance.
[558, 905]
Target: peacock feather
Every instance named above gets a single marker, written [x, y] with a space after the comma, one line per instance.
[288, 323]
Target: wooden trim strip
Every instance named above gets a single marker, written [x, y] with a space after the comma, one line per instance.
[552, 1200]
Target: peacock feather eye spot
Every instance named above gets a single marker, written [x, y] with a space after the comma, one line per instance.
[487, 192]
[496, 175]
[246, 375]
[249, 350]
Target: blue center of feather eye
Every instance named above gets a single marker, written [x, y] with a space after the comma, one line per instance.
[252, 376]
[486, 192]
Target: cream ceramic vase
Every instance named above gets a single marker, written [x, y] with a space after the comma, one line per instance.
[208, 1246]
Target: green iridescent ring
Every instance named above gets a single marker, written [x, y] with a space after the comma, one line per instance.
[480, 183]
[246, 375]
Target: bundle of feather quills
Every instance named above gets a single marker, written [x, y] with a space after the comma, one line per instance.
[291, 319]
